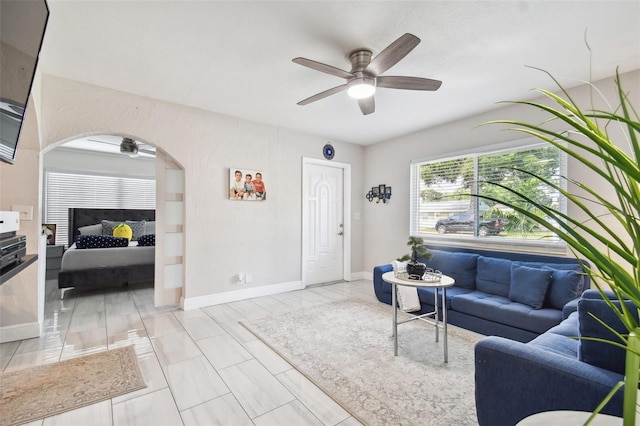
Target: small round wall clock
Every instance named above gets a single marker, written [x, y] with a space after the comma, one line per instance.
[328, 151]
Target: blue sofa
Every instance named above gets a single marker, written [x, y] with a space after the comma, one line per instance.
[514, 295]
[555, 371]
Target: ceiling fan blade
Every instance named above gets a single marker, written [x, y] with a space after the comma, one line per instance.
[408, 83]
[104, 142]
[392, 54]
[318, 66]
[367, 105]
[323, 95]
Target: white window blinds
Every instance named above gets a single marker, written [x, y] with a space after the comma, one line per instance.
[447, 195]
[63, 190]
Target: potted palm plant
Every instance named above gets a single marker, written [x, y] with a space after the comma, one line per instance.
[418, 250]
[610, 242]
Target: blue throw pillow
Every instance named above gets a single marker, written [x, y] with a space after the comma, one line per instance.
[601, 354]
[494, 275]
[147, 240]
[529, 285]
[100, 241]
[566, 285]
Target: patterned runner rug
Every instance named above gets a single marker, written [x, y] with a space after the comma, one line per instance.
[47, 390]
[346, 349]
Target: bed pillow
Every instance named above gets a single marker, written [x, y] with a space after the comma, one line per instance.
[91, 229]
[122, 230]
[137, 227]
[147, 240]
[107, 226]
[100, 241]
[150, 227]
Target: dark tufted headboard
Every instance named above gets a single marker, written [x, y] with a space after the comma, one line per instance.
[84, 217]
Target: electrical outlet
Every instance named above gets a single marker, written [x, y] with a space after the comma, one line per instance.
[26, 212]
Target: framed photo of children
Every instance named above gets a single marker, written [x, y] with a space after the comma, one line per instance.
[247, 185]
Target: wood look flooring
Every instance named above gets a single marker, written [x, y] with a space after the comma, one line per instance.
[201, 366]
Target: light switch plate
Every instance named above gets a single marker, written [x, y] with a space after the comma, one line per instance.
[26, 212]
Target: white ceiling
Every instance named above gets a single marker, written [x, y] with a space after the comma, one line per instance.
[234, 57]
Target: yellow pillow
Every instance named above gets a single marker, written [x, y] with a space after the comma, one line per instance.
[122, 230]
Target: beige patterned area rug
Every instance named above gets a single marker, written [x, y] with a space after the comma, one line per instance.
[346, 349]
[43, 391]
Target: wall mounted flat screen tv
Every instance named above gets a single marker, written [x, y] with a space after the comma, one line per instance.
[22, 26]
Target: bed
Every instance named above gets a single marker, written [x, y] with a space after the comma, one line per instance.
[105, 267]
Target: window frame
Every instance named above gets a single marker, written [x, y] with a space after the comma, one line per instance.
[555, 246]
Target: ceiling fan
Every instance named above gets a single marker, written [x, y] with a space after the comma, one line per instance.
[365, 74]
[130, 147]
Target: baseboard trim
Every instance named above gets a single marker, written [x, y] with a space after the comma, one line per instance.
[233, 296]
[367, 276]
[355, 276]
[11, 333]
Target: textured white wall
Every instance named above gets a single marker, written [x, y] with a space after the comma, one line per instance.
[19, 185]
[222, 237]
[386, 227]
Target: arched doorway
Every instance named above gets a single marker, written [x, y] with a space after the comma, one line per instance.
[124, 158]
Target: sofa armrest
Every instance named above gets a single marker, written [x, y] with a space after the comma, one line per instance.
[381, 288]
[569, 308]
[514, 380]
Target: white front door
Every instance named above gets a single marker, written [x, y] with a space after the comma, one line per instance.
[323, 223]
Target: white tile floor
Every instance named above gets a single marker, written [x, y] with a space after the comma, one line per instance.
[201, 367]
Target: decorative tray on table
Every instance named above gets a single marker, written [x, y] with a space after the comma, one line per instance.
[430, 276]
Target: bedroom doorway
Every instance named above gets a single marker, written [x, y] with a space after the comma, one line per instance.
[326, 230]
[103, 156]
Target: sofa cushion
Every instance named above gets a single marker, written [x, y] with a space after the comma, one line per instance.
[504, 311]
[601, 354]
[493, 276]
[427, 294]
[459, 266]
[567, 282]
[565, 286]
[557, 344]
[529, 285]
[568, 327]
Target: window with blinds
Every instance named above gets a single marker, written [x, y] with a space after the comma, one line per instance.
[447, 195]
[63, 190]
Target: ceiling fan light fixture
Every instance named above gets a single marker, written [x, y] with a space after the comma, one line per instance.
[129, 147]
[360, 88]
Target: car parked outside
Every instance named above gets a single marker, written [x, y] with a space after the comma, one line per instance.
[464, 222]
